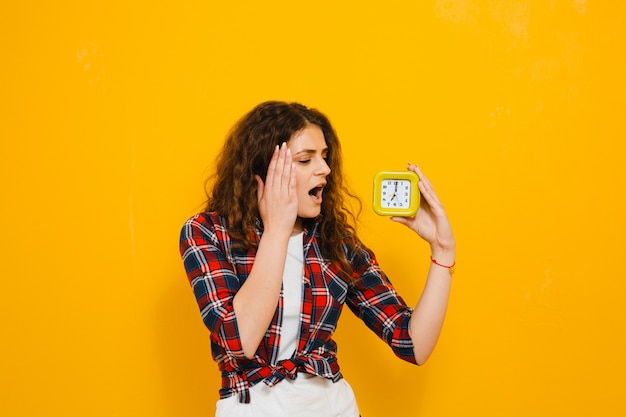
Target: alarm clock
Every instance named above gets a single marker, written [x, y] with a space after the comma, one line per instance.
[396, 193]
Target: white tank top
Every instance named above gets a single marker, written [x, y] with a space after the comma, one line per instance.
[292, 297]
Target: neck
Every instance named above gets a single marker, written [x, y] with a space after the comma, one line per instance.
[297, 227]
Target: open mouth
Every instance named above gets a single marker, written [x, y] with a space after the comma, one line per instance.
[316, 193]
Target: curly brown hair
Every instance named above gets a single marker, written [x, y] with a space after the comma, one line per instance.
[247, 152]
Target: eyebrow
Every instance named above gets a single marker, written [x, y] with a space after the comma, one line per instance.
[311, 151]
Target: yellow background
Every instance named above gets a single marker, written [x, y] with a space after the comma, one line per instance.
[111, 114]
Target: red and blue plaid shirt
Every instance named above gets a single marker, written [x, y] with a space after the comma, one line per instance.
[216, 270]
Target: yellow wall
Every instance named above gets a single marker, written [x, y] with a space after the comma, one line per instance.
[111, 112]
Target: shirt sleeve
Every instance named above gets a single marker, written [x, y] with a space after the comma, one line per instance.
[214, 283]
[374, 300]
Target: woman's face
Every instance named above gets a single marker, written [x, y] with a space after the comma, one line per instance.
[309, 150]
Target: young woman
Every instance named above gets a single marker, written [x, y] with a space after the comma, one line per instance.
[275, 256]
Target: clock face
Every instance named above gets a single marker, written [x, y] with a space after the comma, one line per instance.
[395, 193]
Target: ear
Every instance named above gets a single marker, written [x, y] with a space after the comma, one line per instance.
[260, 187]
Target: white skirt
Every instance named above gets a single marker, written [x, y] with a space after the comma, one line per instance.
[306, 396]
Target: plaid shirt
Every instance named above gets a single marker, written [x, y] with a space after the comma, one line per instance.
[216, 271]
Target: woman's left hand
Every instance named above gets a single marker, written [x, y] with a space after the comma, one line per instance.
[431, 222]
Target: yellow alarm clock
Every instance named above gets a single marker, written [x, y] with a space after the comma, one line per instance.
[396, 193]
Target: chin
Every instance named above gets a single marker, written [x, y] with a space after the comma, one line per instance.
[309, 214]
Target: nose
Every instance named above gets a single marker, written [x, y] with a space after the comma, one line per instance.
[323, 169]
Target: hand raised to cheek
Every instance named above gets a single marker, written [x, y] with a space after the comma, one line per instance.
[277, 197]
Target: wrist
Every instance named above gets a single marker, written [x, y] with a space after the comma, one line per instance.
[445, 256]
[276, 235]
[440, 264]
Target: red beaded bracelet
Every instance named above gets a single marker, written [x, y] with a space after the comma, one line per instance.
[449, 267]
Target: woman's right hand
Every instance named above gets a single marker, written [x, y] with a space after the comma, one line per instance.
[277, 197]
[255, 301]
